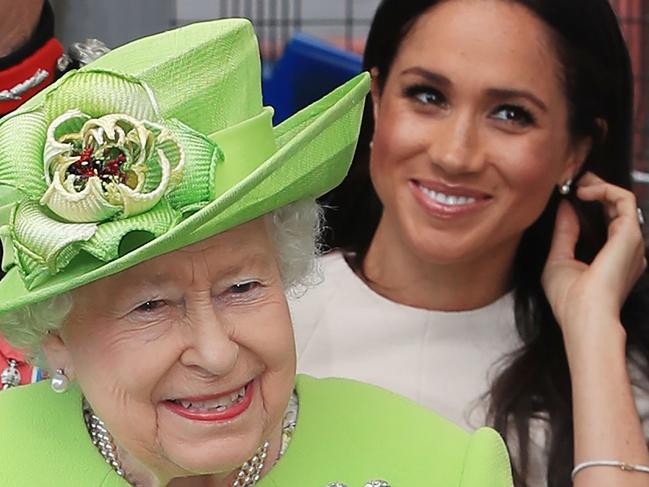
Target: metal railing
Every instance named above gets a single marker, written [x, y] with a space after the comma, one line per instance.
[344, 22]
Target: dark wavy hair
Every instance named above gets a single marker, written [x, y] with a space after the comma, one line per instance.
[534, 382]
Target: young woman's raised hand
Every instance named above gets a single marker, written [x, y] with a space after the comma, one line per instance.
[583, 295]
[586, 300]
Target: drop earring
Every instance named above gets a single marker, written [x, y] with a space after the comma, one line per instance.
[60, 382]
[565, 188]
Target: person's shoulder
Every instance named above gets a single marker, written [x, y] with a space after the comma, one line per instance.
[45, 442]
[372, 433]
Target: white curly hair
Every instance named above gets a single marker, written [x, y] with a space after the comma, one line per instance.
[294, 229]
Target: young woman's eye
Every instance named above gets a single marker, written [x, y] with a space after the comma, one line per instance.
[243, 287]
[151, 306]
[426, 95]
[514, 114]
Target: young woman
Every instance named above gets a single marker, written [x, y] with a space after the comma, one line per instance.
[463, 280]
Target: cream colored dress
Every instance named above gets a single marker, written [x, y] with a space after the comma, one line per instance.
[445, 361]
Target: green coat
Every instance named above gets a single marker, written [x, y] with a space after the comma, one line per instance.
[346, 432]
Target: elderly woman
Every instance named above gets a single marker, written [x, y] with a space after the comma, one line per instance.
[152, 220]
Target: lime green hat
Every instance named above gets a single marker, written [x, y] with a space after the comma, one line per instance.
[158, 144]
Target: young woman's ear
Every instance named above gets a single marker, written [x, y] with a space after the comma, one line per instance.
[580, 151]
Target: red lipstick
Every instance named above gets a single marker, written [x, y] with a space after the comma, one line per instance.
[230, 412]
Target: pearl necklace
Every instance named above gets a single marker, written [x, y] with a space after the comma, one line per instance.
[250, 471]
[247, 476]
[101, 438]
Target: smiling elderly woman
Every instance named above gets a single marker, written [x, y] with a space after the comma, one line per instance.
[152, 220]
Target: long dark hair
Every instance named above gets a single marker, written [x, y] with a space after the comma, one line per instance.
[534, 382]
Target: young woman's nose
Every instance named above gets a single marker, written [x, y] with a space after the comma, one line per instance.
[453, 144]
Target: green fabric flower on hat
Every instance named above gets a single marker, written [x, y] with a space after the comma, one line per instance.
[111, 166]
[94, 177]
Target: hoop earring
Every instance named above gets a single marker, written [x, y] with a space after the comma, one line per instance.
[60, 382]
[565, 188]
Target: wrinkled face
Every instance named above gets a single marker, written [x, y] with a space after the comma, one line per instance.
[471, 130]
[189, 357]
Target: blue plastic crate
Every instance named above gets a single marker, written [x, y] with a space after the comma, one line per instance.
[309, 68]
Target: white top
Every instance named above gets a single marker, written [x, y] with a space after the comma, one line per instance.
[443, 360]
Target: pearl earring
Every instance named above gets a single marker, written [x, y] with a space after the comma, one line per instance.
[60, 382]
[565, 188]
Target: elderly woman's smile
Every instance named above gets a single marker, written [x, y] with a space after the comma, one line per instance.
[215, 407]
[188, 357]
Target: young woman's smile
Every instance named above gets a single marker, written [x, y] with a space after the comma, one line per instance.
[448, 201]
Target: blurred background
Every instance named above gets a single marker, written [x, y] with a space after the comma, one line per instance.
[324, 39]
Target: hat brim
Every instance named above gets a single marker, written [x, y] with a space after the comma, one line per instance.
[315, 148]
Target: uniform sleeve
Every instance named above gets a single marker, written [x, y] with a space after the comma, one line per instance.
[486, 461]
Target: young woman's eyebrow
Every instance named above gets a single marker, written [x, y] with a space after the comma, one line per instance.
[507, 93]
[428, 75]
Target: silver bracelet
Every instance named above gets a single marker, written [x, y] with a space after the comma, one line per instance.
[625, 467]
